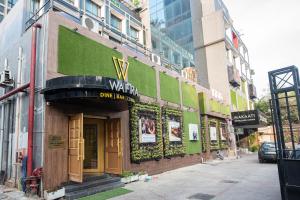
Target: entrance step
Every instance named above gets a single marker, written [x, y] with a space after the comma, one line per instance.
[92, 185]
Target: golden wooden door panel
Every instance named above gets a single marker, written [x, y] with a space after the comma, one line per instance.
[113, 152]
[76, 148]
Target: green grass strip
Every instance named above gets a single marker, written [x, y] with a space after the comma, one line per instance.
[107, 194]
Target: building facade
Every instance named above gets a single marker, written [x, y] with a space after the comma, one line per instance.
[103, 103]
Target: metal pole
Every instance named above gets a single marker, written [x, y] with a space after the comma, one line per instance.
[14, 91]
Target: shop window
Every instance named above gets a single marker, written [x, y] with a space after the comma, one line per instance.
[92, 8]
[115, 22]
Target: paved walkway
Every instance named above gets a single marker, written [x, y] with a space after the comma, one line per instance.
[242, 179]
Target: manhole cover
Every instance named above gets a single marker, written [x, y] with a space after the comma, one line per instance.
[229, 181]
[202, 196]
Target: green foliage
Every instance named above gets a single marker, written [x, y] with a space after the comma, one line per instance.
[79, 55]
[143, 77]
[264, 106]
[107, 194]
[219, 144]
[254, 148]
[172, 148]
[127, 174]
[203, 134]
[192, 147]
[169, 88]
[189, 95]
[143, 152]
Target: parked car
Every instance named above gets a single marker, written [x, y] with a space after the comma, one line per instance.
[295, 154]
[267, 152]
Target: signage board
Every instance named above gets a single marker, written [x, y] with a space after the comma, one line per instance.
[56, 142]
[70, 87]
[248, 119]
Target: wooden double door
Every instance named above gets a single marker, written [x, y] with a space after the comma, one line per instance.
[94, 146]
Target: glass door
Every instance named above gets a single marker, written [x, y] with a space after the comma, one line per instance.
[93, 134]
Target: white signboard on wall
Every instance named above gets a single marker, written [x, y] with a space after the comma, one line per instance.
[193, 132]
[213, 133]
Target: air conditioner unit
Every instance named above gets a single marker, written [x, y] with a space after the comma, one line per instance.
[156, 59]
[90, 23]
[6, 78]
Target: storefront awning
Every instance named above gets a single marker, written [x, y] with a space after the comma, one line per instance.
[248, 119]
[90, 90]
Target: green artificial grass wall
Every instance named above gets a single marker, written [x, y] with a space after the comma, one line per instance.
[189, 95]
[79, 55]
[192, 147]
[107, 194]
[143, 77]
[169, 88]
[242, 103]
[202, 102]
[233, 97]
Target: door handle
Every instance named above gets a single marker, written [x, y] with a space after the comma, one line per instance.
[83, 151]
[78, 150]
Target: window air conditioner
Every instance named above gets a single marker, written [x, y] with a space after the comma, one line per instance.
[90, 24]
[6, 78]
[156, 59]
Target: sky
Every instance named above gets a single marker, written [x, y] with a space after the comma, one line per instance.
[271, 31]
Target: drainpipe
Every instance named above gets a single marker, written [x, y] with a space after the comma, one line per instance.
[31, 98]
[14, 91]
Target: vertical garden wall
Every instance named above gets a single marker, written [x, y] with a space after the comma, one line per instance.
[143, 77]
[193, 145]
[189, 96]
[169, 88]
[79, 55]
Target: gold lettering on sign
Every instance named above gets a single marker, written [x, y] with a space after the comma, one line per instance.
[109, 95]
[121, 67]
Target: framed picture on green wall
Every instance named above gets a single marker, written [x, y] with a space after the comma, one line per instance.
[175, 133]
[193, 132]
[147, 128]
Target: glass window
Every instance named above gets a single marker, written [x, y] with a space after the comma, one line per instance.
[11, 3]
[1, 17]
[115, 22]
[134, 33]
[92, 8]
[2, 9]
[2, 2]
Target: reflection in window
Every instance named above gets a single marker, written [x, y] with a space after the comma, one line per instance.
[115, 22]
[11, 3]
[134, 33]
[92, 8]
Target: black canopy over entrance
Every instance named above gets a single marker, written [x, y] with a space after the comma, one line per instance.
[97, 91]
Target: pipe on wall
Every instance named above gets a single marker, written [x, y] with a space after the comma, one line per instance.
[31, 98]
